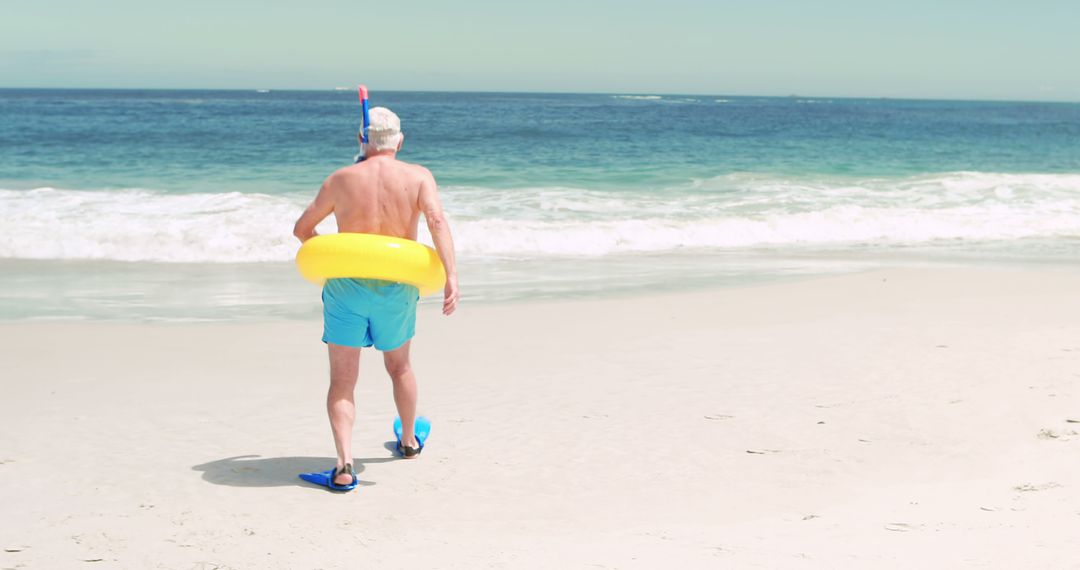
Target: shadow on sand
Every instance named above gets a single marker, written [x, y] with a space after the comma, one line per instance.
[257, 471]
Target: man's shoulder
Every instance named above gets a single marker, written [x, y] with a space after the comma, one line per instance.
[344, 172]
[362, 169]
[416, 169]
[416, 174]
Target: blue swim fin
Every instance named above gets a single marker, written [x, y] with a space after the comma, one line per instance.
[326, 479]
[422, 427]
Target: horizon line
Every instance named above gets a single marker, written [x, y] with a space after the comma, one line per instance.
[539, 92]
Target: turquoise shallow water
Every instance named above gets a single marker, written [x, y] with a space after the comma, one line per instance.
[179, 204]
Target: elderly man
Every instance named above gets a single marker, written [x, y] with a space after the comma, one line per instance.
[379, 195]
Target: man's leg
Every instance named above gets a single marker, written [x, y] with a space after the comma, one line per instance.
[344, 368]
[400, 370]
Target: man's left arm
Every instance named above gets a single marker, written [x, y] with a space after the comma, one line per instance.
[320, 207]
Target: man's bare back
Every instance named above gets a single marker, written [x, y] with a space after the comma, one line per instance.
[379, 196]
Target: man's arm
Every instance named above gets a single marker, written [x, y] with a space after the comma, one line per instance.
[320, 207]
[440, 234]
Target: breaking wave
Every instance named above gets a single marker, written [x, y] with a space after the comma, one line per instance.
[726, 212]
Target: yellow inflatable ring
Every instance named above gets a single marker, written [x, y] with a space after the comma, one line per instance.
[372, 257]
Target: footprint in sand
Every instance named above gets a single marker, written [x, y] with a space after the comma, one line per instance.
[902, 527]
[1028, 487]
[1047, 434]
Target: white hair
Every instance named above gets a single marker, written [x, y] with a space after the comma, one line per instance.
[384, 129]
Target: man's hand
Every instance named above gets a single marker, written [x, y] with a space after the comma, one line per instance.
[450, 295]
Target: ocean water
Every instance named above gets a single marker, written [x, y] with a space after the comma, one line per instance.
[179, 205]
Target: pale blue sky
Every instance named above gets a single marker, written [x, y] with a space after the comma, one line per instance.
[919, 48]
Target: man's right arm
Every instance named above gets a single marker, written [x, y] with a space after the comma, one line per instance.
[431, 207]
[321, 207]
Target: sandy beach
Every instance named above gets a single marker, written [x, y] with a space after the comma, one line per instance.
[890, 419]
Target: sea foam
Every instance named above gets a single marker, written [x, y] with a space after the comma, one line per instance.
[728, 212]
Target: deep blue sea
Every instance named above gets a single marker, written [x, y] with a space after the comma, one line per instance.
[179, 205]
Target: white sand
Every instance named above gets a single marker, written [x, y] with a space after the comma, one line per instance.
[894, 419]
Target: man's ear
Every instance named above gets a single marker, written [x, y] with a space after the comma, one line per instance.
[401, 141]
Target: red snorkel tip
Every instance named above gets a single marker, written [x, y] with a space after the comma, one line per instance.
[363, 93]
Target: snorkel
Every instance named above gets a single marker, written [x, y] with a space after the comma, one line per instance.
[362, 90]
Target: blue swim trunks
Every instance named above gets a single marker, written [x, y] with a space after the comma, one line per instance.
[369, 312]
